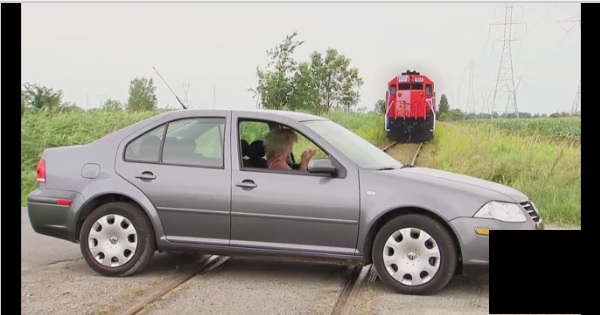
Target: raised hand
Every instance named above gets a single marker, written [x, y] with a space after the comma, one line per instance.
[308, 154]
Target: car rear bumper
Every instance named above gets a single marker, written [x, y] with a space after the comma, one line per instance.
[53, 213]
[475, 246]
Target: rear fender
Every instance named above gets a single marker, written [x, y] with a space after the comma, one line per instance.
[121, 187]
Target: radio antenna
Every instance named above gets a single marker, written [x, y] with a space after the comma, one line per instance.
[167, 84]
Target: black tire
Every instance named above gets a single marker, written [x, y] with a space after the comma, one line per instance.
[146, 243]
[445, 243]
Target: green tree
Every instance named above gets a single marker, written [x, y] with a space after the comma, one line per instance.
[112, 105]
[142, 95]
[317, 85]
[40, 97]
[305, 95]
[380, 107]
[444, 106]
[276, 83]
[336, 83]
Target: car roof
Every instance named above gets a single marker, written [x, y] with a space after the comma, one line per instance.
[182, 113]
[298, 116]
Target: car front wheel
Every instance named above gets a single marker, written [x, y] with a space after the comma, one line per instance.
[117, 239]
[414, 254]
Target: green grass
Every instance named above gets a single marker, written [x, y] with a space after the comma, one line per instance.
[45, 130]
[561, 129]
[547, 171]
[542, 158]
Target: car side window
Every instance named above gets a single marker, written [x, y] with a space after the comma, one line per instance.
[195, 142]
[305, 144]
[252, 148]
[146, 148]
[253, 133]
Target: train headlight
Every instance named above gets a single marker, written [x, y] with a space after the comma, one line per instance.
[501, 211]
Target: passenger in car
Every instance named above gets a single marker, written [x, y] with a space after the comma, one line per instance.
[256, 154]
[279, 144]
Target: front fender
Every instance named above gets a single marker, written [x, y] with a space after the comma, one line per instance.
[382, 194]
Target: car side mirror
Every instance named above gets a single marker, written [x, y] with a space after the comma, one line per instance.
[322, 166]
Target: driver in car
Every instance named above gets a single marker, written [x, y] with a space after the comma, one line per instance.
[279, 144]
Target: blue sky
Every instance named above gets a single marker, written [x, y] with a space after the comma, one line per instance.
[92, 50]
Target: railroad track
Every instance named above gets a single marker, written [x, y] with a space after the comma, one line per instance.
[204, 264]
[348, 301]
[407, 146]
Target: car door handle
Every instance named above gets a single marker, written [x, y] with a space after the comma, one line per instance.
[246, 184]
[146, 176]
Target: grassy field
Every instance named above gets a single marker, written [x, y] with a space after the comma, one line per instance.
[546, 167]
[542, 158]
[562, 129]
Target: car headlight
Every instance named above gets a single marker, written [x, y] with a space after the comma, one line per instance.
[502, 211]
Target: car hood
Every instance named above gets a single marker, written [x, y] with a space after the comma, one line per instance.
[452, 179]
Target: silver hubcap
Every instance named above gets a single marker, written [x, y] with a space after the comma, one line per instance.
[411, 256]
[112, 240]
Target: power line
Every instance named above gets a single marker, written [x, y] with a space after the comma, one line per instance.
[470, 102]
[559, 44]
[505, 81]
[576, 20]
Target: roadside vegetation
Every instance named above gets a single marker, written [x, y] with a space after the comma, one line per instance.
[538, 155]
[545, 168]
[565, 129]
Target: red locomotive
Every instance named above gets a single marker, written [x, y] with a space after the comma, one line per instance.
[410, 108]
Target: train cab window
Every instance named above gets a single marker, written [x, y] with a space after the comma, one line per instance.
[404, 86]
[417, 86]
[392, 89]
[428, 89]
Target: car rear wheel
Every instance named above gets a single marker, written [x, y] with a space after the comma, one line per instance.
[117, 239]
[414, 254]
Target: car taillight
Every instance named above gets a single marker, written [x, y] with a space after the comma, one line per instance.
[41, 172]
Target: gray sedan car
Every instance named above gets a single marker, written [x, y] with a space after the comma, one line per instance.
[197, 181]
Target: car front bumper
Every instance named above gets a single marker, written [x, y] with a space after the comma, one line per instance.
[53, 212]
[475, 245]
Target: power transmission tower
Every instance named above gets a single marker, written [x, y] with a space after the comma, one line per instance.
[214, 104]
[505, 81]
[576, 21]
[186, 99]
[102, 99]
[575, 109]
[470, 102]
[485, 100]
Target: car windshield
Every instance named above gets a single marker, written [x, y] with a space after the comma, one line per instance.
[359, 150]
